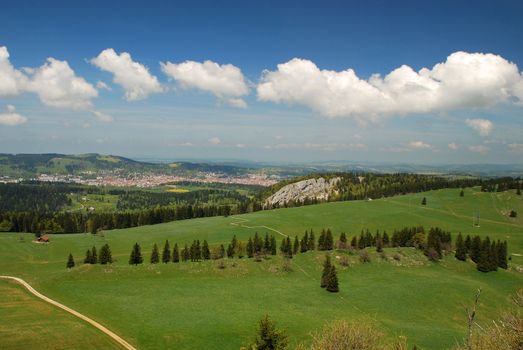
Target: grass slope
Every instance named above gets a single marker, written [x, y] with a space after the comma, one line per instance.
[197, 306]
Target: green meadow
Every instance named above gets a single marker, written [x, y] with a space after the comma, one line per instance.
[199, 306]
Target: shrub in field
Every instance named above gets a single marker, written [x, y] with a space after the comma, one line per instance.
[364, 256]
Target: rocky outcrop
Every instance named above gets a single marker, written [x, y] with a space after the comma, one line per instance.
[319, 189]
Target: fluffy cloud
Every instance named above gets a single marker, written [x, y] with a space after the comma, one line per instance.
[515, 147]
[132, 76]
[224, 81]
[57, 85]
[214, 141]
[464, 80]
[101, 85]
[453, 146]
[419, 145]
[103, 117]
[12, 81]
[11, 118]
[327, 147]
[479, 149]
[481, 126]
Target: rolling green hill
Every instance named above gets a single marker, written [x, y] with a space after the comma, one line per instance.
[199, 306]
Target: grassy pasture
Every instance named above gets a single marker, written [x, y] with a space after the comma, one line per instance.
[197, 306]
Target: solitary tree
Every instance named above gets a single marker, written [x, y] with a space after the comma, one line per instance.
[518, 192]
[461, 250]
[166, 255]
[326, 270]
[269, 337]
[462, 193]
[136, 255]
[424, 201]
[332, 280]
[155, 255]
[70, 261]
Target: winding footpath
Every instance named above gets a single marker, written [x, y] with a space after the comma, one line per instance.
[114, 336]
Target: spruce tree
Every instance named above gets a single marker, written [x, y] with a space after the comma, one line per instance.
[105, 255]
[269, 337]
[176, 253]
[230, 251]
[267, 244]
[354, 242]
[475, 249]
[136, 255]
[296, 246]
[185, 253]
[288, 245]
[326, 270]
[155, 255]
[332, 280]
[462, 193]
[206, 252]
[87, 259]
[493, 257]
[329, 240]
[424, 201]
[502, 254]
[166, 255]
[321, 240]
[312, 241]
[386, 239]
[379, 244]
[273, 245]
[250, 248]
[468, 244]
[70, 261]
[483, 263]
[304, 243]
[222, 251]
[94, 255]
[461, 250]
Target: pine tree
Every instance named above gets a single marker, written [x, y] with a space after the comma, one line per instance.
[70, 261]
[502, 254]
[206, 252]
[321, 240]
[273, 245]
[222, 251]
[379, 244]
[269, 337]
[296, 246]
[288, 244]
[461, 250]
[462, 193]
[185, 253]
[493, 257]
[424, 201]
[518, 192]
[329, 240]
[343, 241]
[105, 255]
[483, 263]
[230, 251]
[361, 241]
[326, 270]
[94, 256]
[176, 253]
[386, 239]
[250, 248]
[166, 255]
[354, 242]
[332, 280]
[304, 243]
[136, 255]
[312, 241]
[468, 244]
[267, 244]
[88, 258]
[475, 249]
[155, 255]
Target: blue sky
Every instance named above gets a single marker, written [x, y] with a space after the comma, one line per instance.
[310, 108]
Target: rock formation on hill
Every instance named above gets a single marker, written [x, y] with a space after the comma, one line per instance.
[319, 189]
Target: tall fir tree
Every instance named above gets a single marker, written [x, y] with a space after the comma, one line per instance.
[250, 248]
[87, 259]
[462, 193]
[424, 201]
[136, 255]
[483, 263]
[268, 337]
[329, 240]
[94, 255]
[106, 256]
[354, 242]
[332, 280]
[267, 244]
[70, 261]
[206, 252]
[273, 245]
[468, 244]
[296, 246]
[502, 254]
[304, 243]
[386, 239]
[166, 255]
[155, 255]
[326, 270]
[461, 250]
[493, 257]
[475, 249]
[185, 253]
[176, 253]
[312, 241]
[321, 240]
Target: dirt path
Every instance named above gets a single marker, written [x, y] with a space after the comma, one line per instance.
[240, 224]
[119, 340]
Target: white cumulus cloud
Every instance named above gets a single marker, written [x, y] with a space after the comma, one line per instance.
[132, 76]
[419, 145]
[12, 81]
[463, 81]
[225, 81]
[481, 126]
[101, 85]
[214, 141]
[11, 118]
[453, 146]
[57, 85]
[479, 149]
[515, 147]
